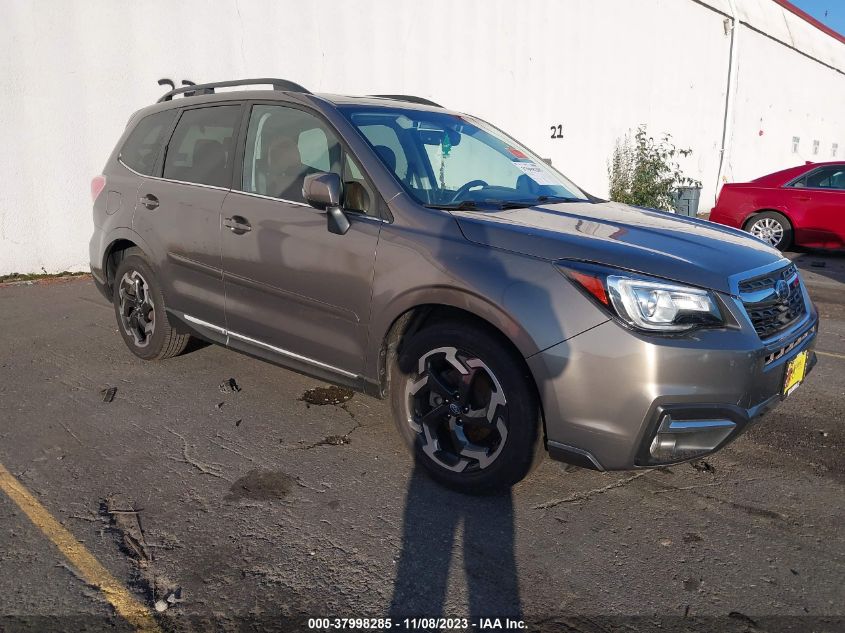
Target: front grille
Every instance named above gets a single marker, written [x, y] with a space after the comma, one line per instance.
[769, 313]
[767, 281]
[788, 348]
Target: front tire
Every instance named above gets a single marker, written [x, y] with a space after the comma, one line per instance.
[465, 404]
[140, 310]
[771, 227]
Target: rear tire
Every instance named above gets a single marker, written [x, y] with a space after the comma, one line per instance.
[140, 310]
[771, 227]
[465, 404]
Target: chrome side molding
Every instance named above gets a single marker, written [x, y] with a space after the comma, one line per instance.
[278, 350]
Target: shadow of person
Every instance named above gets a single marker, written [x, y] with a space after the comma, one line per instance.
[432, 517]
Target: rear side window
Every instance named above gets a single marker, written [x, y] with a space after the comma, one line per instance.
[202, 147]
[828, 178]
[142, 147]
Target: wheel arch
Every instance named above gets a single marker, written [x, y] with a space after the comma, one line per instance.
[420, 315]
[413, 309]
[754, 214]
[119, 242]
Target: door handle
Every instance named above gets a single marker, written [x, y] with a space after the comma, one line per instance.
[149, 201]
[237, 224]
[803, 198]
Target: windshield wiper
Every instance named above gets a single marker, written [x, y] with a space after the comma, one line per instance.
[463, 204]
[473, 205]
[512, 204]
[556, 199]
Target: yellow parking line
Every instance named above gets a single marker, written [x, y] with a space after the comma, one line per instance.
[831, 354]
[88, 567]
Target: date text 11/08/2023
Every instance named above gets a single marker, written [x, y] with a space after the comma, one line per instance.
[411, 624]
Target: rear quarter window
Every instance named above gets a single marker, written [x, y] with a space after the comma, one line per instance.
[142, 147]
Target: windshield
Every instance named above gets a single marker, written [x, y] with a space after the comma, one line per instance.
[449, 160]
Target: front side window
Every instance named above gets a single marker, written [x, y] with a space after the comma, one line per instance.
[388, 147]
[283, 146]
[143, 145]
[202, 147]
[449, 160]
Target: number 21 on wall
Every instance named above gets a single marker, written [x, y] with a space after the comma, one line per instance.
[557, 131]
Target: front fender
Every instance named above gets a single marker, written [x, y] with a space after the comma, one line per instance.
[524, 297]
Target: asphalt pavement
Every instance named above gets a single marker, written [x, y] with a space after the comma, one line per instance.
[256, 507]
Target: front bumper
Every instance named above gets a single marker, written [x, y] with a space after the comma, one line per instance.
[609, 392]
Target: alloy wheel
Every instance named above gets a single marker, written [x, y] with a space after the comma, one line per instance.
[768, 229]
[458, 409]
[137, 311]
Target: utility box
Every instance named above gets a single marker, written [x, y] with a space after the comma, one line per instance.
[685, 200]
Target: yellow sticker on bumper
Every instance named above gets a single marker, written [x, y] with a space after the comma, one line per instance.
[795, 370]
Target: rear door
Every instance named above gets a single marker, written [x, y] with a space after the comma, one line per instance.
[138, 157]
[294, 291]
[178, 211]
[821, 196]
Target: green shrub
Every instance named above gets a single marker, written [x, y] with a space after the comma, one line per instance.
[645, 172]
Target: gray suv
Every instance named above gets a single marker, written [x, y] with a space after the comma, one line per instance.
[393, 246]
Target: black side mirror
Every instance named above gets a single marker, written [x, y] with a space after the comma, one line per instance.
[322, 191]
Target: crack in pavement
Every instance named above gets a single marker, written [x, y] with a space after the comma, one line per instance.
[329, 440]
[206, 469]
[583, 496]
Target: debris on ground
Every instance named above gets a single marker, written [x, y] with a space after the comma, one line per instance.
[692, 537]
[818, 264]
[335, 440]
[702, 466]
[125, 520]
[327, 395]
[261, 485]
[219, 405]
[229, 386]
[173, 597]
[238, 422]
[108, 394]
[822, 433]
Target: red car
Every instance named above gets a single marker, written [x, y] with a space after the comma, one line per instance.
[803, 206]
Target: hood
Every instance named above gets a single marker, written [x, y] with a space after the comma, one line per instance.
[652, 242]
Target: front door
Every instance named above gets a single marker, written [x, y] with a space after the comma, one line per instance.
[293, 289]
[178, 212]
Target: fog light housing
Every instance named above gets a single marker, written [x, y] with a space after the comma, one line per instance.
[678, 440]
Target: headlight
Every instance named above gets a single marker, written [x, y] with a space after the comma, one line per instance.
[653, 305]
[644, 302]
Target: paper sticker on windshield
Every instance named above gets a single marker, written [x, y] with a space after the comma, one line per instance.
[535, 173]
[517, 153]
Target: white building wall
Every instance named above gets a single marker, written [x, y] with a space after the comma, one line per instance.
[73, 72]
